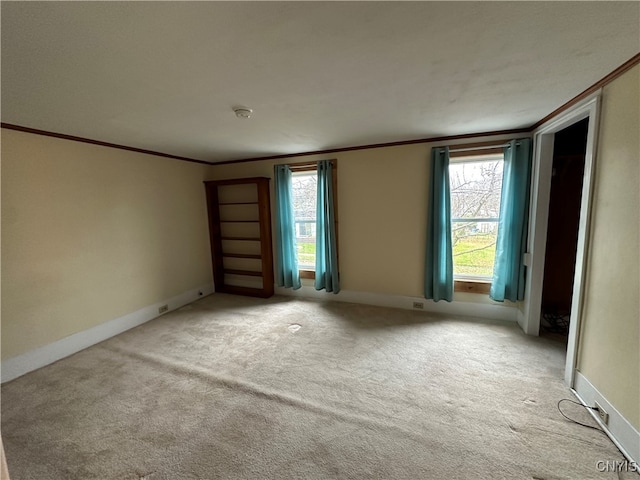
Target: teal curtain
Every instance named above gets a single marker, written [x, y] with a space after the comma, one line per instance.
[326, 248]
[508, 269]
[438, 283]
[287, 274]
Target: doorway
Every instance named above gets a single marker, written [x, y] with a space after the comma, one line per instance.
[567, 174]
[535, 259]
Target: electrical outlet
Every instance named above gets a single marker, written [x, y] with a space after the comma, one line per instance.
[418, 305]
[163, 309]
[604, 416]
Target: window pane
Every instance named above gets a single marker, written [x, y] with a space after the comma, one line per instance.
[475, 189]
[476, 186]
[304, 210]
[474, 248]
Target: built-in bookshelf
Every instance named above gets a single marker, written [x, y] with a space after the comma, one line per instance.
[240, 233]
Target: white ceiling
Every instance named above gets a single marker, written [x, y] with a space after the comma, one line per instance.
[319, 75]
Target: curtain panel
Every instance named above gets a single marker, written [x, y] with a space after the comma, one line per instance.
[327, 276]
[438, 283]
[509, 270]
[287, 273]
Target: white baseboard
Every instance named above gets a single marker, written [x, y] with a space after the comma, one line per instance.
[618, 429]
[468, 309]
[27, 362]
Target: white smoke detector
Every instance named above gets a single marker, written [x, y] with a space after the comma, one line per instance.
[243, 112]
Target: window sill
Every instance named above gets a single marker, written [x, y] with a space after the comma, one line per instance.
[307, 274]
[472, 286]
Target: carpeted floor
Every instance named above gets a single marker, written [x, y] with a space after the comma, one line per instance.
[240, 388]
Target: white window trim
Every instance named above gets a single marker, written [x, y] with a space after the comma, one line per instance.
[305, 173]
[489, 157]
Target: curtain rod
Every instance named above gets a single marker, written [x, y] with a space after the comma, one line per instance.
[309, 164]
[484, 147]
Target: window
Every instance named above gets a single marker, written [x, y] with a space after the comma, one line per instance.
[476, 185]
[304, 185]
[304, 189]
[306, 236]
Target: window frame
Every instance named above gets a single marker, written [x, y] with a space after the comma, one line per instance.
[312, 166]
[470, 283]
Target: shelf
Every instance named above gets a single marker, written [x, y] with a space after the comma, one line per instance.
[243, 255]
[253, 292]
[251, 273]
[252, 239]
[257, 266]
[239, 221]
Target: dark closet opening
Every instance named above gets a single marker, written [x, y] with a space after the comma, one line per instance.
[569, 152]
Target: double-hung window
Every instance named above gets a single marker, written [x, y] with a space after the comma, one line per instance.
[304, 186]
[476, 185]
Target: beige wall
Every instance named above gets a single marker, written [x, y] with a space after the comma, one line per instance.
[382, 209]
[91, 233]
[610, 342]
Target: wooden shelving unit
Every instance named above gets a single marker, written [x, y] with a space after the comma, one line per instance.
[240, 233]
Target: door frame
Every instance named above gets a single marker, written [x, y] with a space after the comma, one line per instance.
[543, 138]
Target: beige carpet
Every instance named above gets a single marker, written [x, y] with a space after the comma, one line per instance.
[238, 388]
